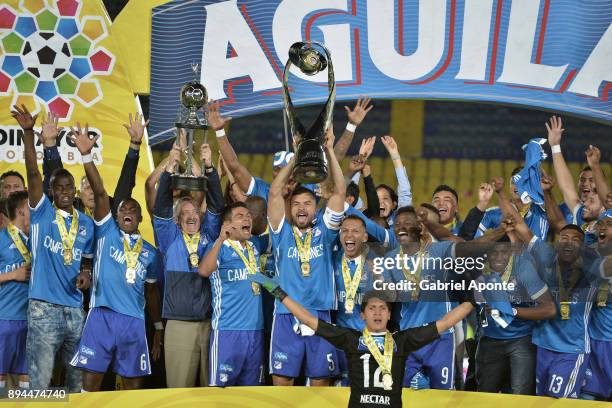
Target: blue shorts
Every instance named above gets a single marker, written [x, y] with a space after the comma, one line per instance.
[289, 350]
[560, 375]
[598, 376]
[115, 339]
[436, 361]
[236, 357]
[13, 335]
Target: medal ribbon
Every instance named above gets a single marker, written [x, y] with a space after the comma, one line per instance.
[15, 236]
[384, 361]
[416, 276]
[191, 242]
[303, 247]
[132, 254]
[602, 294]
[67, 237]
[351, 285]
[563, 292]
[251, 263]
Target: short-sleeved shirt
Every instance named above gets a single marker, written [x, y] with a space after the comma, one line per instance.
[535, 219]
[235, 306]
[52, 281]
[527, 287]
[432, 305]
[314, 292]
[590, 232]
[572, 335]
[13, 294]
[110, 286]
[365, 376]
[343, 318]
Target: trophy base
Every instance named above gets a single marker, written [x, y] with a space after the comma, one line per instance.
[188, 183]
[309, 173]
[190, 125]
[310, 164]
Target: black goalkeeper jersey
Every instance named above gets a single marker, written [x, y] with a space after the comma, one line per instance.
[365, 375]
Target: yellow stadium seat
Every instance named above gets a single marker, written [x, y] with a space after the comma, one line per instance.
[245, 159]
[450, 172]
[266, 171]
[256, 166]
[479, 173]
[496, 170]
[464, 179]
[376, 165]
[575, 169]
[508, 166]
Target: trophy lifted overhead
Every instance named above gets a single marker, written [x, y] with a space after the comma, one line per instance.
[310, 162]
[193, 96]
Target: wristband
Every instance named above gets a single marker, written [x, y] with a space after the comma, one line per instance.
[220, 132]
[279, 293]
[86, 158]
[139, 142]
[395, 157]
[351, 127]
[158, 326]
[556, 148]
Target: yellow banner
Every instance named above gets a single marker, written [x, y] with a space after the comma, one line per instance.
[299, 397]
[61, 56]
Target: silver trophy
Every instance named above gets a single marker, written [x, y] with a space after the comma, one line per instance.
[193, 97]
[310, 164]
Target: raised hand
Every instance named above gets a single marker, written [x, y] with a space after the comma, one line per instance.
[359, 112]
[214, 116]
[136, 127]
[221, 167]
[50, 131]
[547, 183]
[485, 192]
[555, 130]
[206, 154]
[173, 158]
[367, 146]
[226, 230]
[593, 155]
[390, 145]
[330, 138]
[81, 139]
[498, 184]
[24, 117]
[508, 224]
[357, 163]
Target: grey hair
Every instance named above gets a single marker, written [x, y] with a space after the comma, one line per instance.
[178, 204]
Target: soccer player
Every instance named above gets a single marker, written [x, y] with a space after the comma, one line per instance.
[598, 381]
[376, 356]
[587, 207]
[237, 339]
[10, 181]
[446, 200]
[124, 276]
[353, 277]
[505, 348]
[60, 239]
[303, 254]
[182, 238]
[573, 276]
[15, 267]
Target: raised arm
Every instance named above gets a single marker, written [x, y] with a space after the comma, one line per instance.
[51, 156]
[453, 317]
[564, 176]
[209, 263]
[336, 201]
[217, 122]
[553, 212]
[35, 183]
[163, 197]
[355, 117]
[80, 137]
[404, 195]
[276, 201]
[127, 177]
[593, 158]
[373, 204]
[472, 221]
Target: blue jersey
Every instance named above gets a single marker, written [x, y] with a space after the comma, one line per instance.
[263, 243]
[535, 219]
[375, 232]
[600, 327]
[110, 288]
[261, 188]
[589, 227]
[13, 294]
[528, 287]
[316, 291]
[52, 281]
[572, 335]
[235, 305]
[344, 319]
[431, 305]
[567, 213]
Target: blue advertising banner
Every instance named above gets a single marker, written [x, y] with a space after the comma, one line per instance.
[554, 55]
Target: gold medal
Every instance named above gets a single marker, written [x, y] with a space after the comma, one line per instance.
[387, 381]
[305, 270]
[602, 294]
[130, 275]
[256, 289]
[564, 310]
[193, 259]
[68, 237]
[67, 257]
[414, 276]
[349, 305]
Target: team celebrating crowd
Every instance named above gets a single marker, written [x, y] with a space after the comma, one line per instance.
[273, 283]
